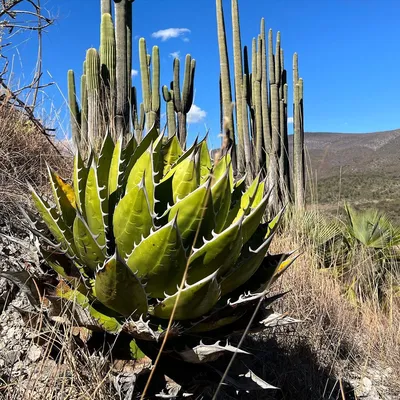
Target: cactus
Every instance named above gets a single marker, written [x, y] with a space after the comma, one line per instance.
[225, 79]
[84, 114]
[171, 120]
[257, 103]
[107, 69]
[243, 151]
[93, 92]
[74, 112]
[105, 7]
[298, 138]
[183, 101]
[150, 87]
[122, 104]
[264, 95]
[275, 137]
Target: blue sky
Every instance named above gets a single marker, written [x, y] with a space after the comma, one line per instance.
[349, 53]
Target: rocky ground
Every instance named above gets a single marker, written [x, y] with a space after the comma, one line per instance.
[30, 370]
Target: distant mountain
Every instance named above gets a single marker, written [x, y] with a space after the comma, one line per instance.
[363, 169]
[354, 153]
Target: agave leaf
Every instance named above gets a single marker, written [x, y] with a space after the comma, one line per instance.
[274, 223]
[253, 220]
[182, 158]
[143, 168]
[221, 198]
[284, 265]
[163, 194]
[194, 301]
[81, 173]
[110, 324]
[64, 197]
[55, 223]
[247, 382]
[143, 146]
[275, 319]
[88, 250]
[116, 168]
[160, 260]
[186, 178]
[205, 353]
[171, 152]
[219, 169]
[248, 199]
[190, 211]
[245, 268]
[217, 254]
[205, 161]
[209, 324]
[94, 207]
[158, 159]
[133, 219]
[104, 164]
[119, 289]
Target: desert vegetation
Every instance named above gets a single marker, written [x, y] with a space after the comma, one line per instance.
[135, 264]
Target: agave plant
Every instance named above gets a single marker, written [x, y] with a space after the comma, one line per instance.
[146, 223]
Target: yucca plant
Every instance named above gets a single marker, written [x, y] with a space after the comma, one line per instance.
[147, 223]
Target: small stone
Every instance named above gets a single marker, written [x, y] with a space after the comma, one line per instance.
[34, 353]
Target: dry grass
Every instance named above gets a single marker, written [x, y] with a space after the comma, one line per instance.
[23, 155]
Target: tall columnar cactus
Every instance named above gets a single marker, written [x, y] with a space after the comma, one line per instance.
[183, 101]
[275, 127]
[150, 86]
[257, 102]
[243, 148]
[298, 138]
[168, 95]
[94, 99]
[264, 94]
[225, 79]
[123, 88]
[84, 113]
[105, 7]
[108, 70]
[75, 115]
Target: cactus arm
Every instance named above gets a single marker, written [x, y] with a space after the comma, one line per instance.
[74, 109]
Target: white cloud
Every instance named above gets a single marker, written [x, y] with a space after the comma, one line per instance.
[186, 39]
[290, 120]
[175, 54]
[170, 33]
[196, 115]
[135, 73]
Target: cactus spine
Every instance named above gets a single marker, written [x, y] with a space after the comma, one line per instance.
[298, 139]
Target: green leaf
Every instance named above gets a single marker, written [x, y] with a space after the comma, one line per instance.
[80, 178]
[118, 288]
[132, 219]
[246, 266]
[94, 207]
[88, 250]
[109, 324]
[194, 301]
[116, 168]
[160, 260]
[190, 211]
[64, 197]
[205, 161]
[104, 164]
[221, 198]
[171, 152]
[220, 253]
[186, 178]
[219, 169]
[135, 351]
[55, 223]
[143, 168]
[253, 220]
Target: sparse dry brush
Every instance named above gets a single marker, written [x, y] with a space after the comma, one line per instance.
[24, 152]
